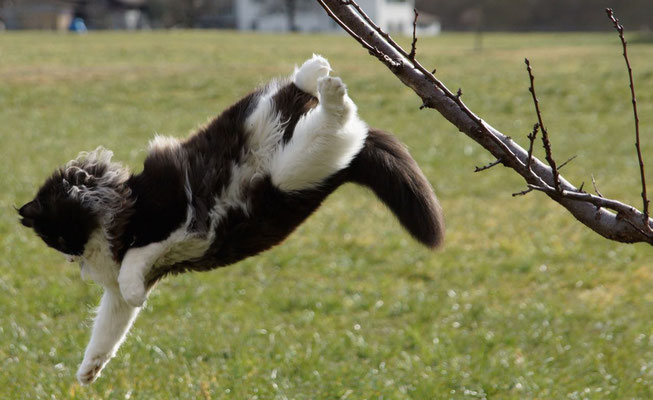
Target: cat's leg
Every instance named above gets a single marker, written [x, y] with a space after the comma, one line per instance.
[306, 76]
[324, 141]
[113, 320]
[135, 266]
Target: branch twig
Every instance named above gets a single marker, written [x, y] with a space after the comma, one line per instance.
[596, 189]
[531, 137]
[545, 134]
[413, 45]
[572, 158]
[624, 211]
[488, 166]
[624, 44]
[522, 193]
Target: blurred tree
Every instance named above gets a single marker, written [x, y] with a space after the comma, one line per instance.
[291, 11]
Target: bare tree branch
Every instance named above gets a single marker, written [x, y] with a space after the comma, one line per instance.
[570, 159]
[488, 166]
[596, 189]
[531, 137]
[413, 45]
[522, 193]
[545, 133]
[609, 218]
[624, 44]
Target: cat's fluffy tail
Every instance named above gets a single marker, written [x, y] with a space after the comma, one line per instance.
[385, 166]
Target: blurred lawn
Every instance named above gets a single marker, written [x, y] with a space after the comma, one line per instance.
[522, 302]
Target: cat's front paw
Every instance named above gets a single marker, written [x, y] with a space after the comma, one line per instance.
[90, 369]
[133, 291]
[332, 91]
[307, 75]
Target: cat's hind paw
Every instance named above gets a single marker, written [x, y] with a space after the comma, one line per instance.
[306, 76]
[332, 92]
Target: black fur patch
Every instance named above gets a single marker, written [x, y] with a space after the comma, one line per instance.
[273, 215]
[385, 166]
[160, 200]
[211, 154]
[63, 223]
[292, 103]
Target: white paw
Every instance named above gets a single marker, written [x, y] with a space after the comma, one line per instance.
[133, 291]
[332, 91]
[90, 369]
[307, 75]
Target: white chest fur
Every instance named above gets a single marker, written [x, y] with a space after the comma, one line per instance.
[97, 263]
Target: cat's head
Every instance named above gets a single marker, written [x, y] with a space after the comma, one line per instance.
[86, 194]
[60, 220]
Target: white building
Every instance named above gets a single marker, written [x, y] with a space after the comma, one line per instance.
[393, 16]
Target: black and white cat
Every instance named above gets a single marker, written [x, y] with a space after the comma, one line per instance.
[238, 186]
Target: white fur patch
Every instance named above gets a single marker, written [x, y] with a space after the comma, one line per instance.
[180, 246]
[114, 316]
[112, 322]
[98, 156]
[135, 266]
[107, 194]
[97, 262]
[264, 130]
[325, 140]
[164, 142]
[306, 76]
[264, 125]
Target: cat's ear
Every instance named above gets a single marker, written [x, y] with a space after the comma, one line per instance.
[29, 212]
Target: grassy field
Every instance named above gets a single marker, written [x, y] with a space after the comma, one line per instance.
[522, 302]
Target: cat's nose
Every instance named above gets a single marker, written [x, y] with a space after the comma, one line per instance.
[70, 258]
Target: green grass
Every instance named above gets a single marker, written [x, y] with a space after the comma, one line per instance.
[522, 301]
